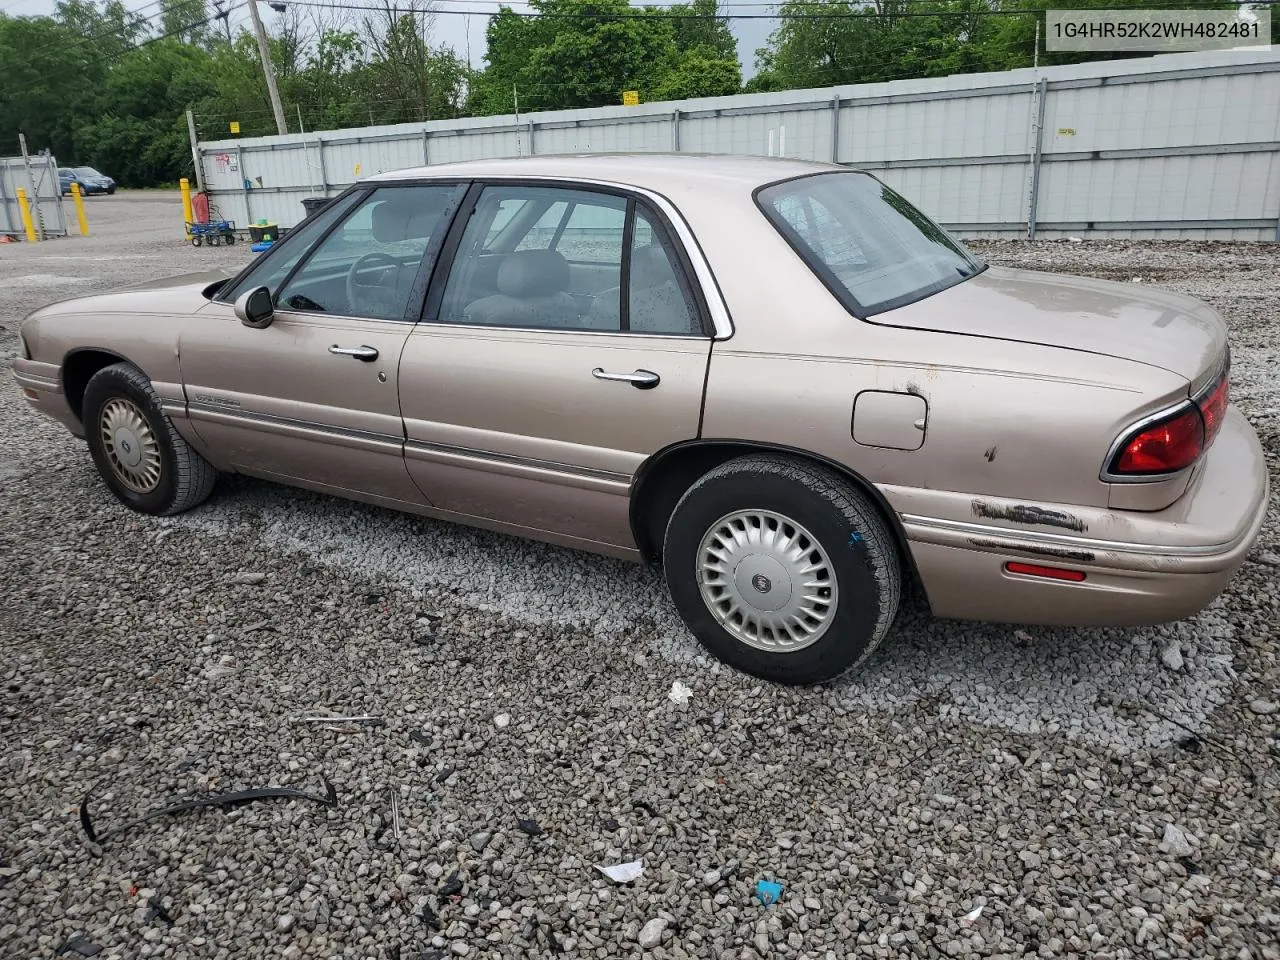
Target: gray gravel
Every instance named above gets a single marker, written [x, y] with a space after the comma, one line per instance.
[1090, 791]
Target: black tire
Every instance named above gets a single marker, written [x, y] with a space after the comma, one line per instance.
[849, 529]
[185, 478]
[229, 239]
[196, 241]
[110, 190]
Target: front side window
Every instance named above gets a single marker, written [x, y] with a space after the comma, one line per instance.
[369, 266]
[547, 257]
[270, 269]
[869, 245]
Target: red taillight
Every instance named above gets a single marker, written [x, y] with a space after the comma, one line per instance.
[1213, 407]
[1049, 573]
[1166, 446]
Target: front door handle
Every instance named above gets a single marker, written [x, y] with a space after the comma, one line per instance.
[641, 379]
[360, 353]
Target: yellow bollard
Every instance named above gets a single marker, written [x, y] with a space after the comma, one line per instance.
[24, 209]
[79, 201]
[188, 215]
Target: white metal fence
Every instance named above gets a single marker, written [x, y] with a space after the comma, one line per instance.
[1184, 145]
[37, 175]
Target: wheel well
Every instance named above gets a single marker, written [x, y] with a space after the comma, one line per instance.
[664, 478]
[77, 370]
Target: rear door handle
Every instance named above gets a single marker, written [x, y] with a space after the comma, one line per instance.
[641, 379]
[360, 353]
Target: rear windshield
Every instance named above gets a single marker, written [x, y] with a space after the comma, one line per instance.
[868, 245]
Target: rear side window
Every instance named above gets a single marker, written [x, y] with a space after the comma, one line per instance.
[872, 249]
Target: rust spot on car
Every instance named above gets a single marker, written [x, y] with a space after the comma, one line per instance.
[913, 388]
[1034, 516]
[1058, 553]
[990, 453]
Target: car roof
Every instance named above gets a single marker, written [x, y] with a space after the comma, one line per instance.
[654, 171]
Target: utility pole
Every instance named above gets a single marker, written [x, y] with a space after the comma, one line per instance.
[195, 151]
[264, 50]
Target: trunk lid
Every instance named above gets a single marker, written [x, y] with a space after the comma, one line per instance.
[1176, 333]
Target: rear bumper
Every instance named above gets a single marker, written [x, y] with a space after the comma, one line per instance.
[42, 388]
[1169, 564]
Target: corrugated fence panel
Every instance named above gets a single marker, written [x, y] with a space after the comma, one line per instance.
[1176, 145]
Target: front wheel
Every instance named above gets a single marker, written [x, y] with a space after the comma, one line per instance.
[143, 459]
[782, 568]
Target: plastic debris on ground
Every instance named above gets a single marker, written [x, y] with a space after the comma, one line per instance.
[217, 669]
[623, 872]
[768, 892]
[330, 799]
[530, 827]
[970, 918]
[680, 694]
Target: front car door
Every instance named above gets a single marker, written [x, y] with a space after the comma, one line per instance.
[312, 398]
[562, 345]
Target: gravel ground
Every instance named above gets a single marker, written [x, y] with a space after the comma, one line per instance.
[1109, 793]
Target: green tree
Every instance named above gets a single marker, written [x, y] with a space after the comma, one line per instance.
[585, 53]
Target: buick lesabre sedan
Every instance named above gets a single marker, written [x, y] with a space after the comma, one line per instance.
[776, 379]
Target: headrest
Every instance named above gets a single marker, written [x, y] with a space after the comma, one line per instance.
[533, 273]
[394, 221]
[650, 267]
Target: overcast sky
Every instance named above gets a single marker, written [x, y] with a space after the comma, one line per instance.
[451, 29]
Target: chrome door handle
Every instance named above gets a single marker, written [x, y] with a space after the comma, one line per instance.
[641, 379]
[360, 353]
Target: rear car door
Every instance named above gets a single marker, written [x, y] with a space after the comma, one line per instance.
[562, 345]
[312, 398]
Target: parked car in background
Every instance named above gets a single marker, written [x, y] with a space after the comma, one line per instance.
[778, 380]
[90, 180]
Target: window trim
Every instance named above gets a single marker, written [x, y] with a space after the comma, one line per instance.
[808, 256]
[653, 203]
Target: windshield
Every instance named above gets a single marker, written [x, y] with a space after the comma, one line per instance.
[868, 245]
[87, 172]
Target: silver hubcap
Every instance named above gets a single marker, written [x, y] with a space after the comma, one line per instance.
[131, 446]
[767, 580]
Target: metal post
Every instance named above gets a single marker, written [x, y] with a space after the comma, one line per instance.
[188, 214]
[301, 128]
[532, 149]
[6, 221]
[1036, 146]
[244, 184]
[515, 96]
[195, 151]
[324, 177]
[675, 131]
[426, 154]
[51, 170]
[79, 202]
[31, 182]
[24, 210]
[264, 51]
[835, 129]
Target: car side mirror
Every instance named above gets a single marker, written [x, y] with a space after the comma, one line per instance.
[255, 308]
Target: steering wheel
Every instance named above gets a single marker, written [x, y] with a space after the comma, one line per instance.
[378, 293]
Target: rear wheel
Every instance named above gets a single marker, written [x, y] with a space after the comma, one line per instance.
[142, 458]
[782, 568]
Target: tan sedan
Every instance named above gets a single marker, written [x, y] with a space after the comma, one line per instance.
[777, 379]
